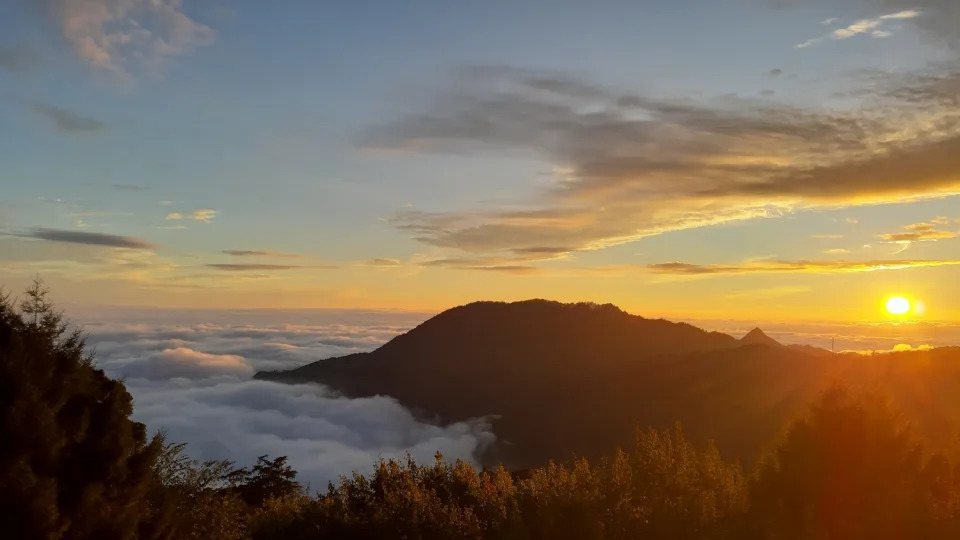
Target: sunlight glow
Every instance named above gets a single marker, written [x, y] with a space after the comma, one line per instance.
[898, 305]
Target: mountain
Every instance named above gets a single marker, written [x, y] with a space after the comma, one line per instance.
[757, 337]
[564, 379]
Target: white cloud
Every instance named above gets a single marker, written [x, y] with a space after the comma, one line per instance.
[174, 215]
[114, 35]
[862, 26]
[188, 372]
[188, 363]
[205, 215]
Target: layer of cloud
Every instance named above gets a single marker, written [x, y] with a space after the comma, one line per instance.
[120, 35]
[89, 238]
[259, 253]
[919, 232]
[779, 267]
[230, 267]
[189, 374]
[628, 166]
[67, 121]
[183, 362]
[383, 262]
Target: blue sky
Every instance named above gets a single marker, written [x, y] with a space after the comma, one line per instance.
[423, 154]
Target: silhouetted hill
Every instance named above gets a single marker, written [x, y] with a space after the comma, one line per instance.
[756, 336]
[567, 379]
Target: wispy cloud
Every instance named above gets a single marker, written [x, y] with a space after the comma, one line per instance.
[266, 267]
[872, 27]
[122, 34]
[486, 264]
[920, 232]
[636, 165]
[89, 238]
[259, 253]
[383, 262]
[779, 267]
[204, 215]
[67, 121]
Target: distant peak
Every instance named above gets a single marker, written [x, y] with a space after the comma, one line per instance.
[757, 336]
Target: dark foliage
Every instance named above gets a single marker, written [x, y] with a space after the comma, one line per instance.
[72, 463]
[73, 466]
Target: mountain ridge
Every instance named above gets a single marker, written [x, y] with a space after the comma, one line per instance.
[507, 359]
[559, 380]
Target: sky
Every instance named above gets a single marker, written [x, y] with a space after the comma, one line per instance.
[778, 160]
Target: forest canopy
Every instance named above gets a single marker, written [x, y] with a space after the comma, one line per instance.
[74, 465]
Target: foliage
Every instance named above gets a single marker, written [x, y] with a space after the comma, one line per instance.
[192, 499]
[852, 470]
[72, 463]
[74, 466]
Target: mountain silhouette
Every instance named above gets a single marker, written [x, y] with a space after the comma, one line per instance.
[577, 379]
[757, 337]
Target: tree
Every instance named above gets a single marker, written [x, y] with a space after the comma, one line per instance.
[192, 499]
[849, 470]
[73, 465]
[269, 479]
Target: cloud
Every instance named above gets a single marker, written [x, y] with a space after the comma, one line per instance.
[259, 253]
[851, 221]
[830, 21]
[204, 216]
[826, 236]
[778, 267]
[174, 216]
[837, 251]
[18, 58]
[253, 267]
[776, 72]
[67, 121]
[188, 363]
[637, 165]
[383, 262]
[89, 238]
[117, 35]
[862, 26]
[939, 20]
[188, 372]
[483, 264]
[919, 232]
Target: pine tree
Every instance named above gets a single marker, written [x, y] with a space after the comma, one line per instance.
[73, 465]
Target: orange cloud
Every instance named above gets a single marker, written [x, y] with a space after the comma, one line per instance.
[776, 267]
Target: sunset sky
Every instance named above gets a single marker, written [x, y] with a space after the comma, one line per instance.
[754, 159]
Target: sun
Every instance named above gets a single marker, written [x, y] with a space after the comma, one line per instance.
[898, 305]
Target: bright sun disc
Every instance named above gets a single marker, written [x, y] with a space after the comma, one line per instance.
[898, 305]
